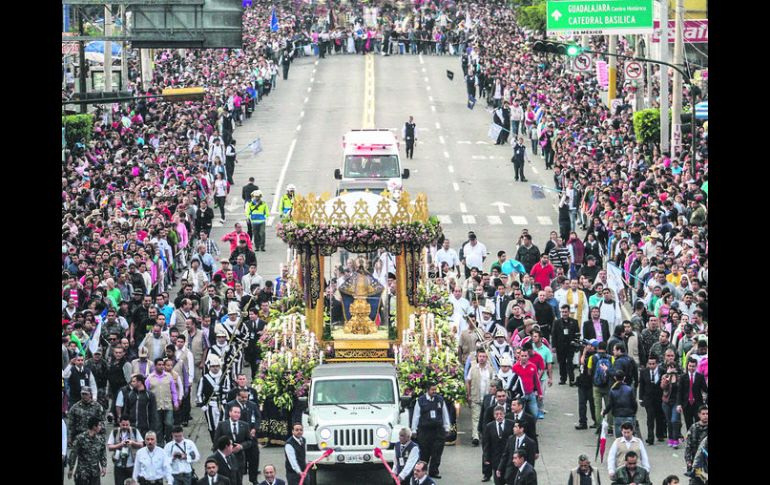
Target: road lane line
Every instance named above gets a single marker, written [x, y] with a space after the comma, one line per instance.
[278, 192]
[433, 108]
[441, 139]
[451, 169]
[534, 170]
[306, 99]
[494, 220]
[430, 98]
[519, 220]
[421, 61]
[302, 114]
[468, 219]
[456, 186]
[462, 207]
[544, 220]
[299, 127]
[446, 154]
[438, 126]
[444, 219]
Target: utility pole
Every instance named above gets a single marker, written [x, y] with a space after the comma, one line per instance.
[124, 51]
[82, 52]
[613, 70]
[648, 43]
[664, 132]
[107, 48]
[676, 111]
[639, 92]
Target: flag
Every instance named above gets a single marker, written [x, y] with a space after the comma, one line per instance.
[494, 131]
[539, 112]
[615, 278]
[450, 75]
[273, 22]
[246, 3]
[93, 343]
[471, 102]
[256, 146]
[601, 441]
[537, 191]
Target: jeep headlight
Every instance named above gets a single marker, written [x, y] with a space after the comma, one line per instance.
[382, 433]
[325, 433]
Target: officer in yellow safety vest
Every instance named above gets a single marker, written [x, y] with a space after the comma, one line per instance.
[257, 212]
[287, 201]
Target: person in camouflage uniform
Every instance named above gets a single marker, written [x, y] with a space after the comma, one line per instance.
[81, 412]
[695, 435]
[88, 451]
[98, 367]
[700, 467]
[649, 337]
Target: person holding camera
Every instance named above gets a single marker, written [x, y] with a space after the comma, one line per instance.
[182, 453]
[124, 441]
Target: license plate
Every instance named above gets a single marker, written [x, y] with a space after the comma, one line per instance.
[354, 458]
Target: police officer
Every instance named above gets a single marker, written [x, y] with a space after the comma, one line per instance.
[287, 201]
[431, 420]
[409, 138]
[257, 212]
[212, 388]
[519, 150]
[407, 454]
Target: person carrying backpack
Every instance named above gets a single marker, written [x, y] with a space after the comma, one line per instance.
[625, 364]
[598, 367]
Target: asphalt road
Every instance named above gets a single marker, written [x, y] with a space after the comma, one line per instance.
[465, 177]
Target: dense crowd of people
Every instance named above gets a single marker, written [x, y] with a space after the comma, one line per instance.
[138, 206]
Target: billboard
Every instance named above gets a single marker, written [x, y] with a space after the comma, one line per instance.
[695, 31]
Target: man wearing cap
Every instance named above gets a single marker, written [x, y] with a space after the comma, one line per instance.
[257, 212]
[477, 382]
[473, 254]
[500, 347]
[141, 365]
[221, 347]
[81, 412]
[487, 322]
[287, 202]
[212, 389]
[510, 382]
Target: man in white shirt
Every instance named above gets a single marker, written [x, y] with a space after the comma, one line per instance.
[151, 463]
[461, 308]
[182, 453]
[609, 310]
[445, 254]
[624, 444]
[251, 278]
[474, 254]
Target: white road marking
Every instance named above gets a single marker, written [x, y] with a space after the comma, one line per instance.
[462, 207]
[270, 220]
[444, 219]
[451, 169]
[501, 206]
[306, 99]
[314, 70]
[420, 56]
[479, 157]
[309, 89]
[302, 114]
[463, 142]
[427, 87]
[441, 139]
[312, 79]
[316, 63]
[438, 125]
[494, 220]
[545, 220]
[481, 143]
[456, 186]
[216, 223]
[534, 170]
[468, 219]
[299, 127]
[426, 79]
[519, 220]
[433, 108]
[446, 154]
[424, 70]
[278, 192]
[430, 98]
[421, 129]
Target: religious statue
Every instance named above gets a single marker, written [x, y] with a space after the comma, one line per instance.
[359, 291]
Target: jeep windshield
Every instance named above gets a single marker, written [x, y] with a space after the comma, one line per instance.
[371, 166]
[353, 391]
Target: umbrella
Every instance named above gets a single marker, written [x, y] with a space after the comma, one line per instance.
[95, 51]
[702, 111]
[512, 265]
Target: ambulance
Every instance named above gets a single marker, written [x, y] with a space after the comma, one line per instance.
[371, 161]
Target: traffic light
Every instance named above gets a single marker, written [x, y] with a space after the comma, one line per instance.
[559, 48]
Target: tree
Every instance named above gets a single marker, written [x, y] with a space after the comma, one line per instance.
[532, 17]
[78, 128]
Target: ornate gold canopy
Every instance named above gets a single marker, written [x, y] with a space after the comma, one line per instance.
[319, 209]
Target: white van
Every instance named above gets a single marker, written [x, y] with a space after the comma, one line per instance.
[370, 161]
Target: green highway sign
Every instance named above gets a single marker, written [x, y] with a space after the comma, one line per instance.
[595, 17]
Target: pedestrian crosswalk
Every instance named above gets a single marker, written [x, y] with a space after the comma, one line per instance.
[494, 220]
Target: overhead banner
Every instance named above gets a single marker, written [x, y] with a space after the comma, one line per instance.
[695, 31]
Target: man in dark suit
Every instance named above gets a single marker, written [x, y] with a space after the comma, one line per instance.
[501, 399]
[495, 439]
[519, 413]
[651, 395]
[589, 327]
[525, 474]
[487, 403]
[692, 385]
[270, 478]
[565, 331]
[212, 476]
[519, 442]
[420, 476]
[224, 460]
[239, 432]
[251, 416]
